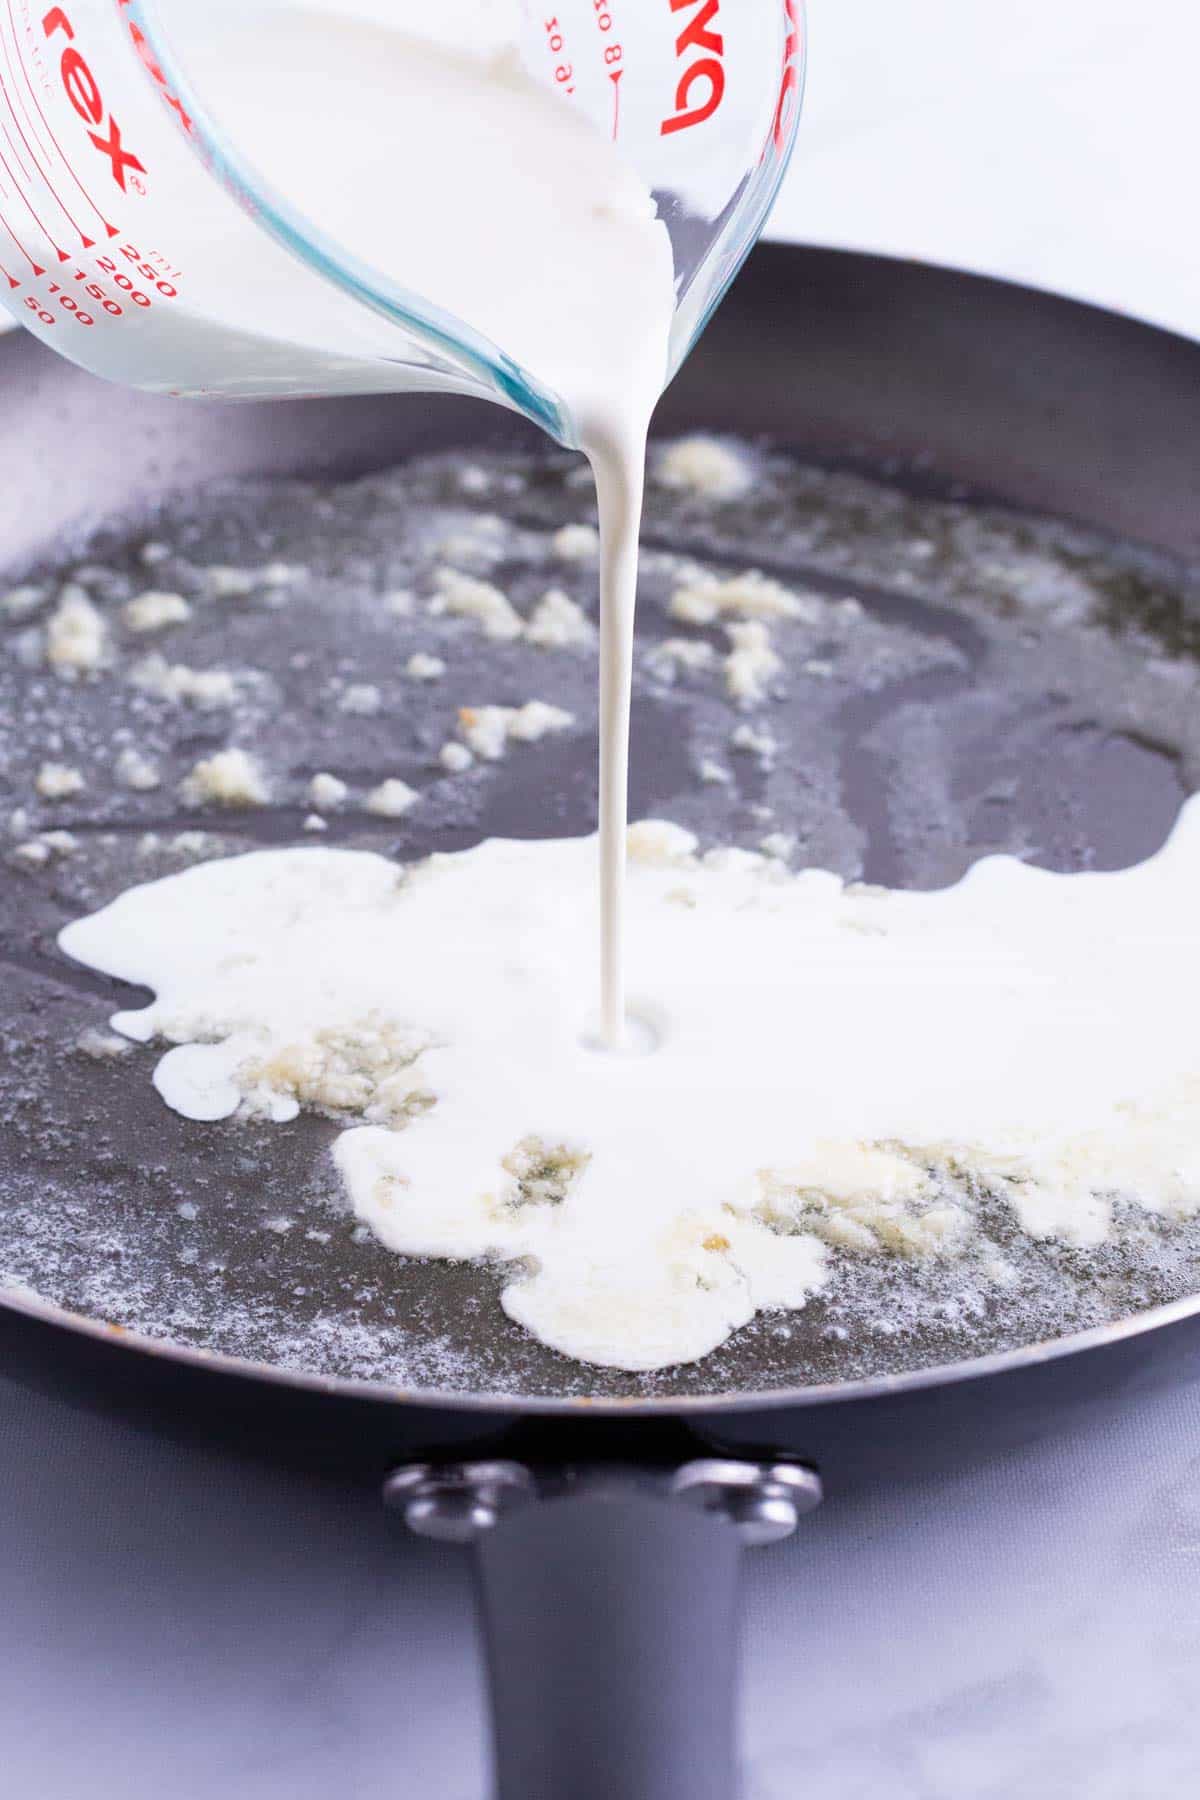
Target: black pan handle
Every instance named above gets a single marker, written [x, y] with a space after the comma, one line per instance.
[609, 1600]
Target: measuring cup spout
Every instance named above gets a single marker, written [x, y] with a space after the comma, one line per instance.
[172, 219]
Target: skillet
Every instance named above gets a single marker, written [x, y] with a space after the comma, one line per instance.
[608, 1513]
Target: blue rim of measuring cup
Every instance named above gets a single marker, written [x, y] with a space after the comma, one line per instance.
[466, 352]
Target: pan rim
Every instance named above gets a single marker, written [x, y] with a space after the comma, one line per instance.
[737, 1400]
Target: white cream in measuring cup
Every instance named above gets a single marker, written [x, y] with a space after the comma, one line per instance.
[411, 142]
[510, 210]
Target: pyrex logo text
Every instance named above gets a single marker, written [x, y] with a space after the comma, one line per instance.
[702, 84]
[84, 94]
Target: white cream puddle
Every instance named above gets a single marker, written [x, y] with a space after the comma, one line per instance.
[825, 1057]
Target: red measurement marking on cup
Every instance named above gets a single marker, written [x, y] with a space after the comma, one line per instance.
[789, 85]
[23, 57]
[613, 54]
[45, 179]
[12, 142]
[564, 69]
[27, 203]
[9, 88]
[72, 294]
[7, 273]
[35, 266]
[163, 289]
[701, 49]
[109, 227]
[73, 308]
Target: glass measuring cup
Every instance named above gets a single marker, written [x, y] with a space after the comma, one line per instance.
[138, 239]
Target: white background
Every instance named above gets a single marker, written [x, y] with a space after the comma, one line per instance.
[1052, 141]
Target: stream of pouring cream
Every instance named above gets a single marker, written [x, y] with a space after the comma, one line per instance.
[467, 182]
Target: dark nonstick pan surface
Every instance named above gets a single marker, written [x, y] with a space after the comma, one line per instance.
[997, 484]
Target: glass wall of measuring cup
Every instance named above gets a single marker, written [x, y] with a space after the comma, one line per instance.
[141, 238]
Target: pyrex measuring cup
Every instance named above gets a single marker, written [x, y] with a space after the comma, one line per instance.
[117, 184]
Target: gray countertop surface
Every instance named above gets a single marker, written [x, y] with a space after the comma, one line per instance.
[179, 1622]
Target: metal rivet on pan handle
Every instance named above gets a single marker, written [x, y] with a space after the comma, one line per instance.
[457, 1502]
[764, 1502]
